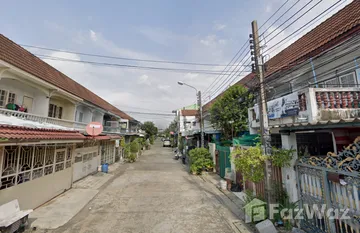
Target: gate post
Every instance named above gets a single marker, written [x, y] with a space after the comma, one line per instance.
[326, 193]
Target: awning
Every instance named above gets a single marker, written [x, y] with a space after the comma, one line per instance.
[320, 124]
[11, 132]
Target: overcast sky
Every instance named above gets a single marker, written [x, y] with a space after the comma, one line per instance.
[208, 31]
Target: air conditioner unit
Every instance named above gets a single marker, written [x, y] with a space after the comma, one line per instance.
[348, 80]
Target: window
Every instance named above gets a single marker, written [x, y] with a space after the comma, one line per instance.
[6, 97]
[348, 80]
[93, 118]
[2, 98]
[332, 83]
[81, 116]
[11, 98]
[55, 111]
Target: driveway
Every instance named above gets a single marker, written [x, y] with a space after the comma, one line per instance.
[154, 194]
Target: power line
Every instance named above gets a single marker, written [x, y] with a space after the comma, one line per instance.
[297, 19]
[211, 85]
[303, 27]
[121, 58]
[151, 113]
[221, 74]
[280, 17]
[274, 13]
[209, 72]
[127, 106]
[303, 7]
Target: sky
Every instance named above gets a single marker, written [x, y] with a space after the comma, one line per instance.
[190, 31]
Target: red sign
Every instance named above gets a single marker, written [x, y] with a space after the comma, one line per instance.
[94, 128]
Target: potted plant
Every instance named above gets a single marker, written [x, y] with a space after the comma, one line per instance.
[200, 160]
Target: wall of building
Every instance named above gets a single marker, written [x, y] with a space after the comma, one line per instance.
[98, 116]
[68, 107]
[40, 100]
[86, 111]
[36, 192]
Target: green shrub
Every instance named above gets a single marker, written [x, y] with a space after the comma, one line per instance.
[122, 142]
[131, 158]
[152, 139]
[250, 162]
[200, 160]
[134, 146]
[126, 150]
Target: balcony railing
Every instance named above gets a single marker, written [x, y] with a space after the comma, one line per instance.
[336, 98]
[319, 104]
[37, 118]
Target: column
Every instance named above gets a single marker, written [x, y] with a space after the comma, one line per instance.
[288, 173]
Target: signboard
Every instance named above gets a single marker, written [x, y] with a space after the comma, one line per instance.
[281, 107]
[117, 143]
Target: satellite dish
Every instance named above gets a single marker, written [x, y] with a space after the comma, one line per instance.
[94, 128]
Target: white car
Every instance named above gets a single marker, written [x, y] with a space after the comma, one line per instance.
[166, 143]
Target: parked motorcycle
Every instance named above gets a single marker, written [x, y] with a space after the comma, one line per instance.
[177, 154]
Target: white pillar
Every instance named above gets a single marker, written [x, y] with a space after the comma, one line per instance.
[288, 173]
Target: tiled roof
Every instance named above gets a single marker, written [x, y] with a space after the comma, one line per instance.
[15, 55]
[10, 132]
[332, 31]
[103, 137]
[189, 112]
[328, 34]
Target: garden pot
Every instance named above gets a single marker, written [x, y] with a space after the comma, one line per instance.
[223, 184]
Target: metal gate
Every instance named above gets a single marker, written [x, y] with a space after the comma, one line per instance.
[224, 159]
[329, 187]
[86, 162]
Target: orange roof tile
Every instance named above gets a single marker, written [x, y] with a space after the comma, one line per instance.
[10, 132]
[15, 55]
[189, 112]
[328, 34]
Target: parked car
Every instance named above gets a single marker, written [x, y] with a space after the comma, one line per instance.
[166, 143]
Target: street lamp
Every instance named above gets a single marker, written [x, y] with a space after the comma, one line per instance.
[198, 95]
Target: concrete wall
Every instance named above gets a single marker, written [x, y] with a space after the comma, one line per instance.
[86, 111]
[98, 116]
[288, 173]
[82, 169]
[36, 192]
[40, 100]
[212, 148]
[68, 111]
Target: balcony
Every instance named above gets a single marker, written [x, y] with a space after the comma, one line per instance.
[314, 106]
[26, 117]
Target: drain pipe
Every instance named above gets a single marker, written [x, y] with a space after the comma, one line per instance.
[313, 71]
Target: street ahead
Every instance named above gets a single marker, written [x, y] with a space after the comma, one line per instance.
[154, 194]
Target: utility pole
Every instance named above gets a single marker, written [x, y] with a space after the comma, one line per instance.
[201, 120]
[264, 126]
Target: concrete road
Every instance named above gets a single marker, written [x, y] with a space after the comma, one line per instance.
[154, 194]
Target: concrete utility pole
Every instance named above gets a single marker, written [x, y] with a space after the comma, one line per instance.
[264, 126]
[201, 120]
[198, 95]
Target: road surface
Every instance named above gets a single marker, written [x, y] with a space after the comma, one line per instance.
[154, 194]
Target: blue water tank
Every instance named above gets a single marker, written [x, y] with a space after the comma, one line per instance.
[105, 168]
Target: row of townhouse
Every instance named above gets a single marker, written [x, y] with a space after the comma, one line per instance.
[44, 146]
[313, 104]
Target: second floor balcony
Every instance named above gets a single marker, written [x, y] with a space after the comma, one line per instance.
[311, 106]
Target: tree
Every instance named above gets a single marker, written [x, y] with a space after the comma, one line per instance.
[230, 112]
[171, 128]
[149, 128]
